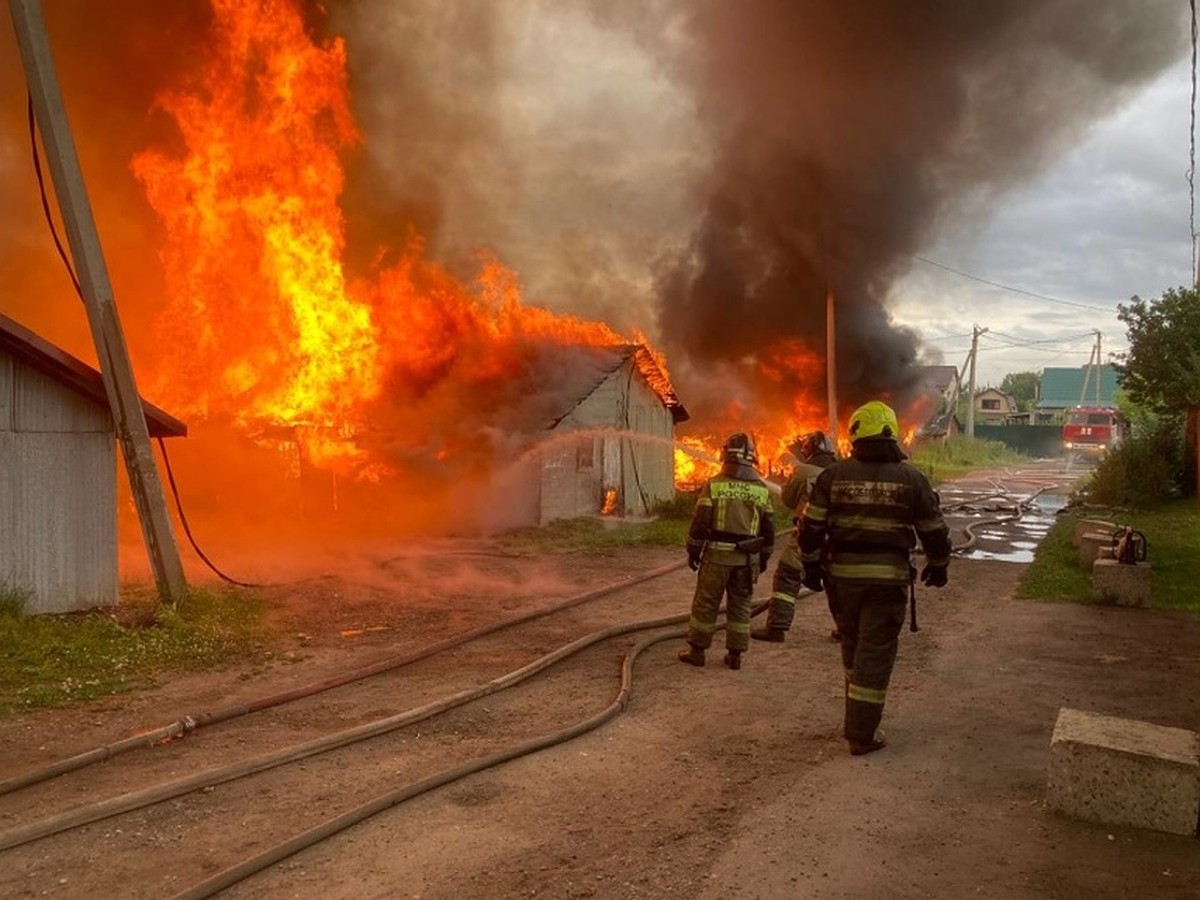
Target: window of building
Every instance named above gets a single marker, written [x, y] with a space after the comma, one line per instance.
[990, 404]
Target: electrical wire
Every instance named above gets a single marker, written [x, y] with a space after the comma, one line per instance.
[1191, 172]
[1010, 288]
[41, 180]
[66, 260]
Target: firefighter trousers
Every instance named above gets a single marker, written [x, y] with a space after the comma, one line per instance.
[786, 585]
[870, 617]
[713, 582]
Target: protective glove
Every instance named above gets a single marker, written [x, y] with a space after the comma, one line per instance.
[934, 576]
[813, 578]
[693, 560]
[762, 562]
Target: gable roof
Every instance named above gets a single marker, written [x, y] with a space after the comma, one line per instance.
[1060, 388]
[600, 362]
[75, 374]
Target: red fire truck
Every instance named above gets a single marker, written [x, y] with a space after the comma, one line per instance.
[1093, 430]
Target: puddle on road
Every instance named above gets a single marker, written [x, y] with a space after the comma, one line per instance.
[1004, 541]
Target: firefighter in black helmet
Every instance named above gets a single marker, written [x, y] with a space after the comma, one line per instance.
[865, 516]
[813, 452]
[730, 539]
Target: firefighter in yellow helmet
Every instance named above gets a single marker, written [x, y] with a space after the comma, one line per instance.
[864, 518]
[730, 539]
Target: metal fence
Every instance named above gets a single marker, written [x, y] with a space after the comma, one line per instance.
[1038, 441]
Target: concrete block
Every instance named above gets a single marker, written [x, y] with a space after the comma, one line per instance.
[1091, 526]
[1093, 546]
[1124, 772]
[1121, 583]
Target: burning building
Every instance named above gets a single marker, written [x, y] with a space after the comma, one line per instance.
[317, 180]
[612, 450]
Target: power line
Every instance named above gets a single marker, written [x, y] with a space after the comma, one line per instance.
[1013, 341]
[1191, 172]
[1010, 288]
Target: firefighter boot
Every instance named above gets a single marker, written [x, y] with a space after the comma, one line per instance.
[767, 633]
[693, 655]
[733, 659]
[876, 743]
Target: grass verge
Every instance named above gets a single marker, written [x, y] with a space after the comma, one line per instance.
[55, 661]
[942, 460]
[1172, 533]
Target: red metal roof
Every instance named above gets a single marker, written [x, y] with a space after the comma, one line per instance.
[76, 374]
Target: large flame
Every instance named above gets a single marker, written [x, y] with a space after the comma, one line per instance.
[263, 327]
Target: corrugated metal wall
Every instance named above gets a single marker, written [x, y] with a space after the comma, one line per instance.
[58, 519]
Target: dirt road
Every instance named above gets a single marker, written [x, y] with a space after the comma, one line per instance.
[712, 783]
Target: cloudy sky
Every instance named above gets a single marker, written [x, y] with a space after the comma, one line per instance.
[1107, 221]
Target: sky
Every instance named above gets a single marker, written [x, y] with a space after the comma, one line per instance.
[1109, 220]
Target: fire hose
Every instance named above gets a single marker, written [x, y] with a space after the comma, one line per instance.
[189, 723]
[138, 799]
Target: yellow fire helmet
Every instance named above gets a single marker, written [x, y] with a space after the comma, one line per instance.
[874, 420]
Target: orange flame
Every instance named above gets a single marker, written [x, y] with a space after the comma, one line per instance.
[263, 327]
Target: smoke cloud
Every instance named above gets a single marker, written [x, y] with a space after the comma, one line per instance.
[711, 170]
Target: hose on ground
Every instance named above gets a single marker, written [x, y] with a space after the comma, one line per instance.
[104, 809]
[187, 724]
[386, 801]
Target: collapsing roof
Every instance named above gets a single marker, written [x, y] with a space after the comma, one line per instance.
[594, 364]
[75, 374]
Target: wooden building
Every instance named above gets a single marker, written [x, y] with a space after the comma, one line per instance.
[58, 476]
[623, 460]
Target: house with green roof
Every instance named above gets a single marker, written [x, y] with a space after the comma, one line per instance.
[1063, 388]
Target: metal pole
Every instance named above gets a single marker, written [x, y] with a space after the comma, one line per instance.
[1099, 367]
[976, 331]
[831, 365]
[128, 416]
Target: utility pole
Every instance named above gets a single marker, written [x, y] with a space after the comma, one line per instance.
[976, 331]
[125, 402]
[1089, 369]
[831, 366]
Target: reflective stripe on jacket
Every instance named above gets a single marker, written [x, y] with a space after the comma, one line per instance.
[867, 515]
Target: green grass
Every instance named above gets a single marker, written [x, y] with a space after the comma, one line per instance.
[1172, 533]
[959, 455]
[55, 661]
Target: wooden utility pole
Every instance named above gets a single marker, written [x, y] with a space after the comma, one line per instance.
[96, 291]
[831, 366]
[976, 331]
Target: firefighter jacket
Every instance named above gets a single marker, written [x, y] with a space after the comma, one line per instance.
[728, 513]
[867, 513]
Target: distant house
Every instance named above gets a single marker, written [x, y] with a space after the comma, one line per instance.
[1063, 388]
[603, 424]
[939, 388]
[993, 406]
[58, 494]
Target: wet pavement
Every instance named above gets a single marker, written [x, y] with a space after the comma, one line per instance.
[1008, 510]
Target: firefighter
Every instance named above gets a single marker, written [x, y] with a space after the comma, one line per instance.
[864, 518]
[815, 452]
[730, 539]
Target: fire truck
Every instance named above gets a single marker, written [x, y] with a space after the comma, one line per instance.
[1093, 430]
